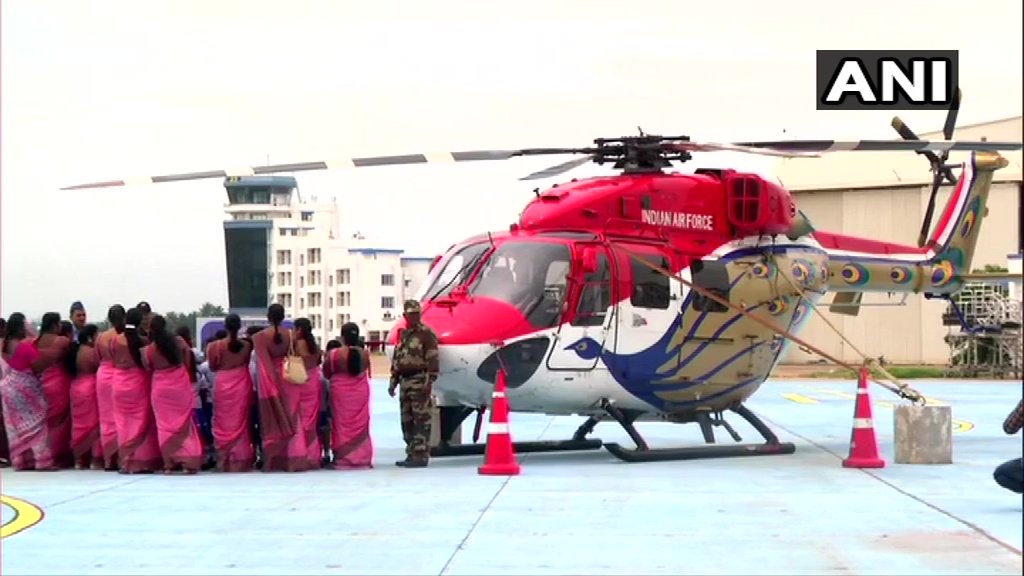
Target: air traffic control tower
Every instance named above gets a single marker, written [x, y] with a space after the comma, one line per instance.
[254, 202]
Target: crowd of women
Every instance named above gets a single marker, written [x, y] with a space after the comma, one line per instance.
[127, 399]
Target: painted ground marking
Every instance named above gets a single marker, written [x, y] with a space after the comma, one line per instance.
[26, 515]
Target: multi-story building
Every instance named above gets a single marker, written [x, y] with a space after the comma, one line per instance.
[281, 248]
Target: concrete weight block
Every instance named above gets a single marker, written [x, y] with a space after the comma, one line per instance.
[923, 434]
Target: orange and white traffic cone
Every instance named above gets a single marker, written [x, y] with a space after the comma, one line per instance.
[500, 457]
[863, 444]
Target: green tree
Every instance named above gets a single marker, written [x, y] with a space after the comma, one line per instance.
[207, 310]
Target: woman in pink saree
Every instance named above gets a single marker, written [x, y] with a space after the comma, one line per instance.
[233, 399]
[348, 368]
[57, 387]
[310, 396]
[24, 402]
[5, 451]
[104, 383]
[284, 443]
[138, 448]
[81, 363]
[174, 399]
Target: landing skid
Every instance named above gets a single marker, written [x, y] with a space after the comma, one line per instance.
[478, 449]
[452, 416]
[643, 453]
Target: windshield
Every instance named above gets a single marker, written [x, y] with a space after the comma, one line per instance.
[532, 276]
[456, 270]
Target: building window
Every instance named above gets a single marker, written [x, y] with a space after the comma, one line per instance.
[330, 324]
[650, 287]
[284, 257]
[285, 300]
[387, 279]
[302, 303]
[344, 299]
[302, 259]
[307, 216]
[330, 302]
[313, 255]
[387, 302]
[343, 276]
[315, 299]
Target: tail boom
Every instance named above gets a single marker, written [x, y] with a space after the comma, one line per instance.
[865, 265]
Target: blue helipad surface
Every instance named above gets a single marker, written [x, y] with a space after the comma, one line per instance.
[567, 513]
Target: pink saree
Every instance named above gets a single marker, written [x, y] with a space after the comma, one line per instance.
[85, 422]
[350, 412]
[105, 406]
[232, 433]
[310, 398]
[284, 443]
[24, 407]
[138, 447]
[57, 387]
[5, 451]
[174, 401]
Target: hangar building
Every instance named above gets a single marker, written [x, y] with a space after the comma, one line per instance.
[884, 196]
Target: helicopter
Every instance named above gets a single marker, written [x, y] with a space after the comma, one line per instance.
[660, 296]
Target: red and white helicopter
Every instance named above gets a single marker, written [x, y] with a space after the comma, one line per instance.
[660, 296]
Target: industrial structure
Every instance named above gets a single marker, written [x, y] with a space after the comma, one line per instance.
[986, 338]
[884, 195]
[282, 248]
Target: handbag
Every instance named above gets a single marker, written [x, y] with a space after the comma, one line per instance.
[294, 369]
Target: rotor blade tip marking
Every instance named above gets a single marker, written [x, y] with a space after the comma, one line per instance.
[240, 171]
[439, 157]
[138, 181]
[340, 163]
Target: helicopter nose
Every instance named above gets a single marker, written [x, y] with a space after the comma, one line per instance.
[479, 321]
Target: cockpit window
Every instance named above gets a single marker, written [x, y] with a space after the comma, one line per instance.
[456, 271]
[532, 276]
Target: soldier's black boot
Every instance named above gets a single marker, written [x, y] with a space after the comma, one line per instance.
[412, 463]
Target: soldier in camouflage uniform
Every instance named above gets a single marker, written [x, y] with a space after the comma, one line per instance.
[414, 367]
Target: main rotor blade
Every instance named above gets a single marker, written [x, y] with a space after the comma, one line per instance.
[882, 145]
[558, 168]
[719, 147]
[435, 158]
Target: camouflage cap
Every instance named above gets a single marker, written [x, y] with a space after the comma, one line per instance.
[412, 307]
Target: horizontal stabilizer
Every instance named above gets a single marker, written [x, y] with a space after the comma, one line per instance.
[847, 303]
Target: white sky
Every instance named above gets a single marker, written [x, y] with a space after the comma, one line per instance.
[108, 89]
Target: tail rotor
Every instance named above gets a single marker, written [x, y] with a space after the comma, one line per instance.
[941, 171]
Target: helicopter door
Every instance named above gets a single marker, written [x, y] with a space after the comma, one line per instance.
[590, 311]
[648, 315]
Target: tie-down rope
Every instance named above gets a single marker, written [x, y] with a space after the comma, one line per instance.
[899, 388]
